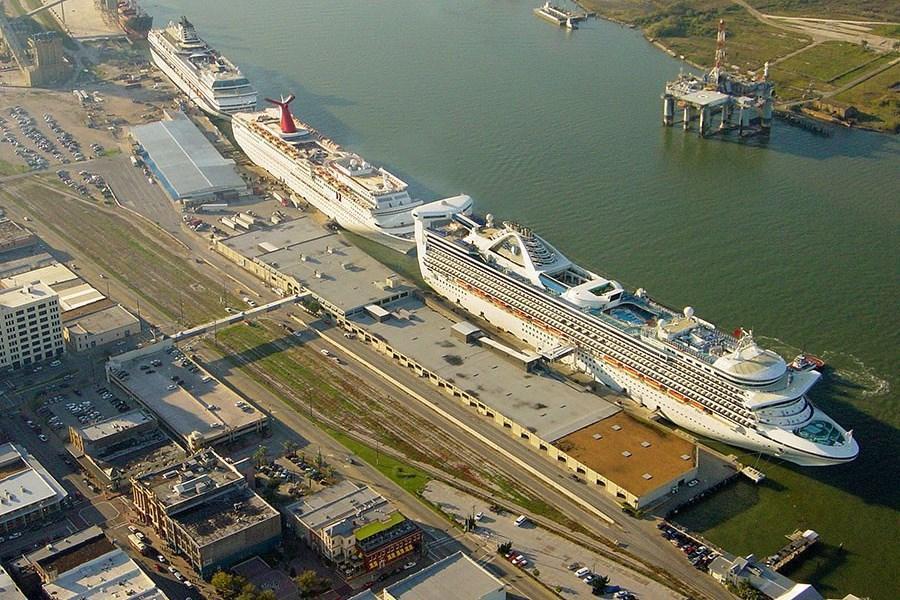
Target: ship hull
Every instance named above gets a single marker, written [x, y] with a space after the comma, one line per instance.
[638, 386]
[180, 74]
[396, 226]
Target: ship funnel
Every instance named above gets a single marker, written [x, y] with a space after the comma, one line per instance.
[287, 121]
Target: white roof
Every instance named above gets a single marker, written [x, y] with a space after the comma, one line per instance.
[456, 576]
[51, 275]
[78, 296]
[110, 576]
[26, 485]
[26, 294]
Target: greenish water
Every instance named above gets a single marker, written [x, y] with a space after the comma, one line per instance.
[796, 237]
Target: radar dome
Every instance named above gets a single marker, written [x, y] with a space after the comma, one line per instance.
[688, 311]
[662, 323]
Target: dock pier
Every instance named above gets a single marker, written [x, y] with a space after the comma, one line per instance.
[799, 542]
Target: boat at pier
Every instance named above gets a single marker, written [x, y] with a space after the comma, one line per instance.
[558, 15]
[209, 79]
[358, 195]
[713, 383]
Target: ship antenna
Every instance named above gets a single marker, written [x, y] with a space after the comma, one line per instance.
[287, 121]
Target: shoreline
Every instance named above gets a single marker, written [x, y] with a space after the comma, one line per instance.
[781, 105]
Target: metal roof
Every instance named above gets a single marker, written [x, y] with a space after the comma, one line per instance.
[187, 161]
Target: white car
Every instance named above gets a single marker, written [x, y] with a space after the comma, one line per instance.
[479, 516]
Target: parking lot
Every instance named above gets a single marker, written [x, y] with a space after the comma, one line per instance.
[76, 407]
[556, 559]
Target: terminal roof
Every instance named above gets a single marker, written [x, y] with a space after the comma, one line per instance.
[546, 406]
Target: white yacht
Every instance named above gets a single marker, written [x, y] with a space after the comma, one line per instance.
[720, 385]
[208, 78]
[356, 194]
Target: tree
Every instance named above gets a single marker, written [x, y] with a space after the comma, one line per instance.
[260, 456]
[228, 585]
[290, 446]
[598, 585]
[307, 581]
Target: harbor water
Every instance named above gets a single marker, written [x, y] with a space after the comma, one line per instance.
[795, 237]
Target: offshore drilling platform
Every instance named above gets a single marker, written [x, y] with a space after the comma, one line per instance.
[741, 104]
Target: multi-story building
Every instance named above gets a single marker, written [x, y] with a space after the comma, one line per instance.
[119, 447]
[84, 566]
[355, 528]
[28, 493]
[100, 328]
[204, 509]
[30, 327]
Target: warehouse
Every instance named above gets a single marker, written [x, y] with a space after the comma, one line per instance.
[185, 162]
[300, 255]
[100, 328]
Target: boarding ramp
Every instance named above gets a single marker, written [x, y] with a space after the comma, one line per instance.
[238, 317]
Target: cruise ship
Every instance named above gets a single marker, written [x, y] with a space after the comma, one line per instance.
[207, 77]
[357, 195]
[719, 385]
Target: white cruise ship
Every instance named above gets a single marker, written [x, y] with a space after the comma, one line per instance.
[207, 77]
[359, 196]
[712, 383]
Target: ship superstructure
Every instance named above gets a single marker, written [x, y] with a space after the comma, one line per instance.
[358, 195]
[207, 77]
[716, 384]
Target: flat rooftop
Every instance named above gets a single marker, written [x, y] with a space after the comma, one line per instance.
[200, 474]
[13, 235]
[25, 294]
[8, 588]
[190, 164]
[51, 275]
[116, 424]
[22, 260]
[77, 296]
[206, 407]
[339, 502]
[550, 408]
[19, 471]
[456, 576]
[110, 576]
[322, 261]
[602, 447]
[55, 550]
[212, 521]
[108, 319]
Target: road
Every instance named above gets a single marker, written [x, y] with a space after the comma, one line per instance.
[443, 539]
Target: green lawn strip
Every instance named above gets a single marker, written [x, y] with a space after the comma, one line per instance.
[875, 98]
[877, 62]
[826, 61]
[8, 168]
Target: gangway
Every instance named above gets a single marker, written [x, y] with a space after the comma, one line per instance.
[238, 317]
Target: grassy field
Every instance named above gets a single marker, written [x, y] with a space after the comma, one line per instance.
[824, 68]
[411, 479]
[871, 10]
[148, 265]
[880, 104]
[689, 27]
[8, 168]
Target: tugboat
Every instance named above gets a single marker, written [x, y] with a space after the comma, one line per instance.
[806, 362]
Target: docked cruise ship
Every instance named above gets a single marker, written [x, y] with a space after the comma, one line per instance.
[207, 77]
[357, 195]
[716, 384]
